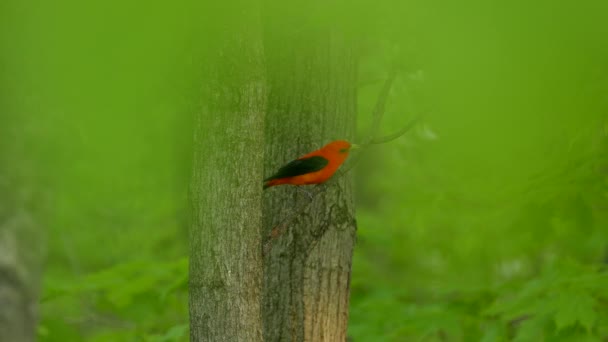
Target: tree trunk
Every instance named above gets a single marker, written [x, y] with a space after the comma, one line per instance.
[20, 241]
[18, 278]
[312, 100]
[311, 76]
[226, 189]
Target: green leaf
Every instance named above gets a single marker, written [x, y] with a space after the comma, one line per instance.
[573, 307]
[174, 334]
[532, 329]
[494, 332]
[527, 301]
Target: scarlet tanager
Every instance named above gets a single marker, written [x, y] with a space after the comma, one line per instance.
[313, 168]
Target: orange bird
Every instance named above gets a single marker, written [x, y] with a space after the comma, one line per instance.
[313, 168]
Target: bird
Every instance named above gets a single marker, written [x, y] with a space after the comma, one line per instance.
[315, 167]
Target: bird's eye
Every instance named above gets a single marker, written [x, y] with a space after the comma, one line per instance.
[343, 150]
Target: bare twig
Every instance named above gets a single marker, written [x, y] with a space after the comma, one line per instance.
[355, 160]
[380, 106]
[391, 137]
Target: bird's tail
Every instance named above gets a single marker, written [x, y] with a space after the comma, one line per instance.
[271, 182]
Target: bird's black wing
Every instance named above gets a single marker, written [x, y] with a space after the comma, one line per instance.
[300, 167]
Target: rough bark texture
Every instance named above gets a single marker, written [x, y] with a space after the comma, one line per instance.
[226, 263]
[312, 100]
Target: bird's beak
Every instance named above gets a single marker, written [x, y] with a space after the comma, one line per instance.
[355, 146]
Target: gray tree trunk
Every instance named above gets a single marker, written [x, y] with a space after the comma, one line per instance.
[225, 255]
[305, 83]
[312, 100]
[18, 278]
[20, 241]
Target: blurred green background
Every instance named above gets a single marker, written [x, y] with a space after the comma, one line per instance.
[487, 222]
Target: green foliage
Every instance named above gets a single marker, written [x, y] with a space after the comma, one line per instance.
[485, 223]
[141, 300]
[565, 301]
[111, 304]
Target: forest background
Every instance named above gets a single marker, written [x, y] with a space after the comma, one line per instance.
[486, 222]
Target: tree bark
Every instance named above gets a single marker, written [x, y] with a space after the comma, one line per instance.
[21, 250]
[18, 279]
[312, 100]
[226, 190]
[305, 82]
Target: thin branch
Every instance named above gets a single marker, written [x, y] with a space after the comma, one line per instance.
[391, 137]
[375, 141]
[380, 107]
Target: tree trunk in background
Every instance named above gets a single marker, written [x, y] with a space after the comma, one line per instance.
[21, 242]
[226, 189]
[19, 277]
[312, 100]
[20, 248]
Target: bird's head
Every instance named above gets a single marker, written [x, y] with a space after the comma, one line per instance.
[341, 146]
